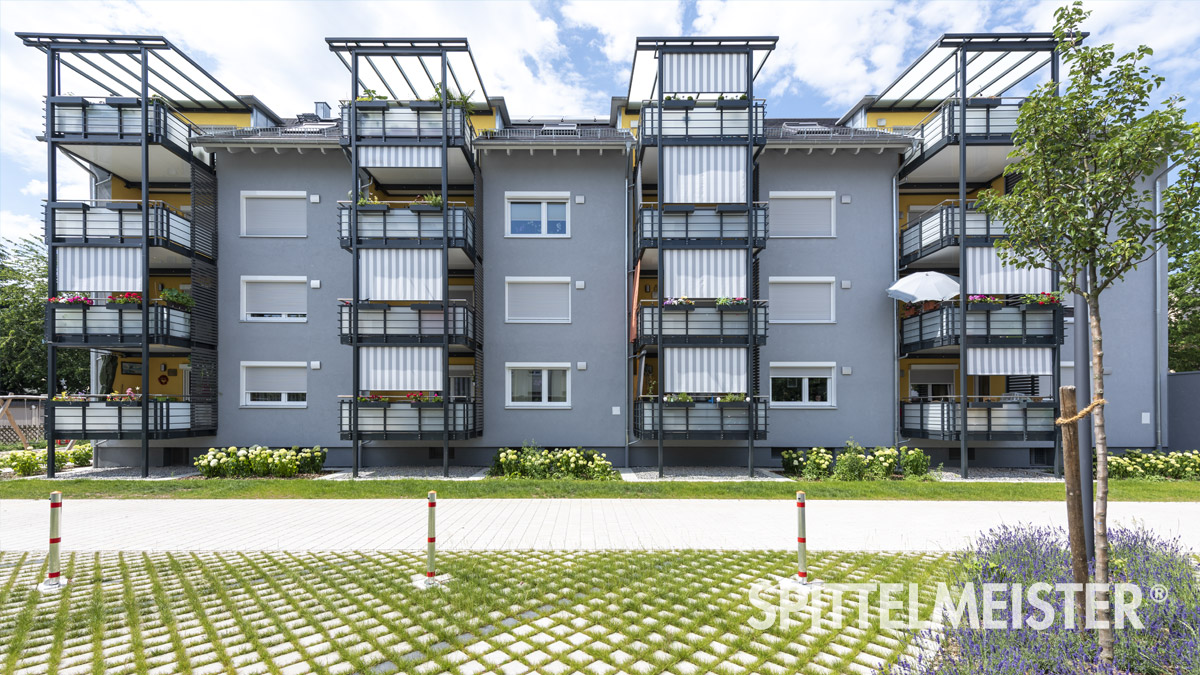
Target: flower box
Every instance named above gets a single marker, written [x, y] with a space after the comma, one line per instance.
[372, 207]
[122, 305]
[372, 305]
[733, 404]
[425, 105]
[1040, 305]
[427, 404]
[123, 404]
[176, 305]
[679, 308]
[679, 404]
[424, 208]
[373, 404]
[733, 308]
[684, 104]
[68, 404]
[372, 105]
[733, 103]
[983, 306]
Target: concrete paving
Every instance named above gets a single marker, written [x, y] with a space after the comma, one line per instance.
[544, 524]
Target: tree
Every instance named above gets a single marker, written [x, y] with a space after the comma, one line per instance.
[1183, 314]
[23, 291]
[1084, 204]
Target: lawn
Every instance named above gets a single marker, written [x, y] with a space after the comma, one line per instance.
[510, 613]
[1121, 490]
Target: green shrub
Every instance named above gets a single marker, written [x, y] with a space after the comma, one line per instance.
[851, 463]
[27, 462]
[817, 463]
[81, 454]
[311, 460]
[532, 461]
[881, 463]
[1155, 465]
[914, 463]
[793, 462]
[259, 461]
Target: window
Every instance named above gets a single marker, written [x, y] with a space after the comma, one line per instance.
[801, 299]
[537, 214]
[803, 214]
[274, 213]
[537, 300]
[274, 384]
[537, 385]
[802, 385]
[281, 299]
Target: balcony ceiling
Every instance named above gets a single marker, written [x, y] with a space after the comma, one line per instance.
[112, 65]
[126, 161]
[406, 69]
[984, 163]
[458, 170]
[643, 78]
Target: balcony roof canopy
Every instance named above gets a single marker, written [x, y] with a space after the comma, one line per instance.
[643, 79]
[114, 64]
[406, 69]
[996, 62]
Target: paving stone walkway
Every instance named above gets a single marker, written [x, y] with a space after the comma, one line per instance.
[543, 524]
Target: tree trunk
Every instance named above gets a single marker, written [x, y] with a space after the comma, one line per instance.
[1103, 616]
[1071, 477]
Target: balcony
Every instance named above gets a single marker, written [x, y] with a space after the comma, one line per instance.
[937, 231]
[987, 420]
[410, 226]
[84, 125]
[96, 418]
[699, 325]
[724, 226]
[410, 422]
[105, 222]
[116, 325]
[1012, 326]
[704, 120]
[411, 325]
[700, 420]
[990, 123]
[407, 123]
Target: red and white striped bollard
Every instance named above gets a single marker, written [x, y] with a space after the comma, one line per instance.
[801, 541]
[54, 579]
[430, 568]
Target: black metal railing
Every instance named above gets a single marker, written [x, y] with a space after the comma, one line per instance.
[987, 119]
[1000, 325]
[988, 419]
[731, 223]
[116, 324]
[701, 420]
[412, 324]
[98, 418]
[397, 122]
[410, 225]
[108, 220]
[703, 325]
[408, 421]
[941, 227]
[120, 119]
[707, 120]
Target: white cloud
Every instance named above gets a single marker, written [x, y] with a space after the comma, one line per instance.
[17, 226]
[621, 22]
[35, 188]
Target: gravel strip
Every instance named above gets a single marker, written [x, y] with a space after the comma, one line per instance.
[998, 475]
[401, 472]
[704, 473]
[124, 473]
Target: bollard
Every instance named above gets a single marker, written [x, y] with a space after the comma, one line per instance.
[54, 579]
[430, 569]
[801, 541]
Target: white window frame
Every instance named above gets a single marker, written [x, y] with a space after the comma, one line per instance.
[544, 366]
[272, 194]
[809, 194]
[245, 396]
[246, 318]
[832, 281]
[830, 405]
[543, 197]
[537, 280]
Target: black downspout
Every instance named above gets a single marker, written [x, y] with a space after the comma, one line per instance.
[962, 258]
[662, 277]
[52, 252]
[446, 270]
[356, 357]
[751, 227]
[145, 398]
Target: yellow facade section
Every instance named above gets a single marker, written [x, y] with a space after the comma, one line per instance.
[234, 119]
[483, 121]
[176, 200]
[895, 118]
[995, 384]
[159, 367]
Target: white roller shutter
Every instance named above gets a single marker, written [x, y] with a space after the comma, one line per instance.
[802, 216]
[800, 301]
[987, 274]
[401, 368]
[545, 300]
[704, 73]
[401, 274]
[274, 215]
[801, 371]
[277, 297]
[704, 370]
[704, 174]
[1010, 361]
[276, 378]
[704, 273]
[99, 269]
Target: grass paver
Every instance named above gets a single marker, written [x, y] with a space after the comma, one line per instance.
[506, 613]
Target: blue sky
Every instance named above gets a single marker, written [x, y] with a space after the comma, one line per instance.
[545, 58]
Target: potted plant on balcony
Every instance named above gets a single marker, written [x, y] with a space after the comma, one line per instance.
[369, 99]
[681, 304]
[733, 400]
[73, 299]
[680, 400]
[421, 399]
[930, 305]
[65, 400]
[367, 202]
[723, 102]
[131, 397]
[984, 303]
[132, 300]
[732, 304]
[908, 310]
[177, 299]
[1043, 300]
[430, 202]
[678, 103]
[372, 401]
